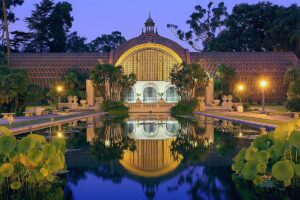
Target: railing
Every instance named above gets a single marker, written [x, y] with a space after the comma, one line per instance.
[150, 107]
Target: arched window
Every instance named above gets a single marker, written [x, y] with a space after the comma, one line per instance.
[172, 127]
[150, 129]
[129, 95]
[150, 95]
[171, 95]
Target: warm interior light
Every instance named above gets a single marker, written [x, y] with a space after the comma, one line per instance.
[60, 134]
[59, 88]
[263, 84]
[241, 88]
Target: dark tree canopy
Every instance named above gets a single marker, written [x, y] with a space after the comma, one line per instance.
[76, 43]
[49, 25]
[259, 27]
[105, 43]
[203, 23]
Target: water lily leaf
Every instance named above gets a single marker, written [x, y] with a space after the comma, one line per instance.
[15, 185]
[53, 165]
[5, 131]
[23, 160]
[263, 156]
[287, 183]
[262, 142]
[25, 145]
[251, 153]
[49, 150]
[50, 178]
[261, 168]
[60, 144]
[35, 156]
[249, 170]
[44, 171]
[294, 139]
[282, 132]
[283, 170]
[6, 170]
[278, 148]
[297, 169]
[1, 179]
[258, 180]
[7, 144]
[61, 158]
[38, 139]
[240, 155]
[238, 166]
[39, 176]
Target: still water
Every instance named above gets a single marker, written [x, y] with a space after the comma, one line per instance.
[154, 157]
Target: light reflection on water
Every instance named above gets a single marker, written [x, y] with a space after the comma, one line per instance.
[153, 157]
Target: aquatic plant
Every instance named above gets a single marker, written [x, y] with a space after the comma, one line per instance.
[30, 161]
[272, 159]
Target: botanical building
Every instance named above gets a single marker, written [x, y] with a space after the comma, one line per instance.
[151, 57]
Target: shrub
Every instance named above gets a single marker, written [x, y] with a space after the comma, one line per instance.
[30, 161]
[115, 108]
[184, 107]
[293, 105]
[271, 159]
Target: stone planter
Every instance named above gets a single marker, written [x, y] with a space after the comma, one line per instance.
[217, 102]
[70, 99]
[83, 103]
[240, 109]
[75, 99]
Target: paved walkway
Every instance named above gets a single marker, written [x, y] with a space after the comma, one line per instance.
[261, 116]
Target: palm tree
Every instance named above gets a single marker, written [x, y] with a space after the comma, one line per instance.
[227, 76]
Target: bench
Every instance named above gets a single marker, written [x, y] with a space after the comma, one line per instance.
[295, 115]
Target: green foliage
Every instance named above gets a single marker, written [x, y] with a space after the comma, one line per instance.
[190, 80]
[110, 81]
[293, 105]
[30, 161]
[184, 107]
[275, 157]
[75, 83]
[115, 108]
[227, 77]
[105, 43]
[203, 23]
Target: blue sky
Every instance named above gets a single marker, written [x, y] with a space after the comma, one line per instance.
[95, 17]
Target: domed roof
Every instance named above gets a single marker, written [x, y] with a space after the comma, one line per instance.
[149, 38]
[149, 21]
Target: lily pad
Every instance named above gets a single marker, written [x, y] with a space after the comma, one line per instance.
[249, 170]
[238, 166]
[25, 145]
[258, 180]
[5, 131]
[263, 156]
[287, 183]
[15, 185]
[283, 170]
[297, 169]
[6, 170]
[240, 155]
[7, 144]
[251, 153]
[262, 142]
[35, 156]
[38, 139]
[261, 168]
[60, 144]
[282, 132]
[49, 150]
[294, 139]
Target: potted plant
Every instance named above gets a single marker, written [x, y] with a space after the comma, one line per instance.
[161, 97]
[138, 98]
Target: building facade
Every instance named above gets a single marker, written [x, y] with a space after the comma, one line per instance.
[151, 57]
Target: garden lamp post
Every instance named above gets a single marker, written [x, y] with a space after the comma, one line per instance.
[263, 84]
[59, 90]
[241, 89]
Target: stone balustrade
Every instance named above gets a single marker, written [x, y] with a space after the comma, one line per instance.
[159, 107]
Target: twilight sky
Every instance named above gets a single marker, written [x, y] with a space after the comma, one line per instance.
[95, 17]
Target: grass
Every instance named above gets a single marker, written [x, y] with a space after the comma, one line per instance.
[275, 109]
[45, 107]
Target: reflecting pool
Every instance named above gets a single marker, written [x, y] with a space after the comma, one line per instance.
[155, 157]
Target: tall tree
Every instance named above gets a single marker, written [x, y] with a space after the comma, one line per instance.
[38, 24]
[49, 25]
[190, 80]
[105, 43]
[260, 27]
[76, 43]
[74, 82]
[203, 24]
[7, 16]
[227, 77]
[60, 21]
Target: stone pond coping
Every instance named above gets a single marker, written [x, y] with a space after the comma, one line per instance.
[34, 127]
[269, 127]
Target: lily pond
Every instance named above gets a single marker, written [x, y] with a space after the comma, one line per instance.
[151, 157]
